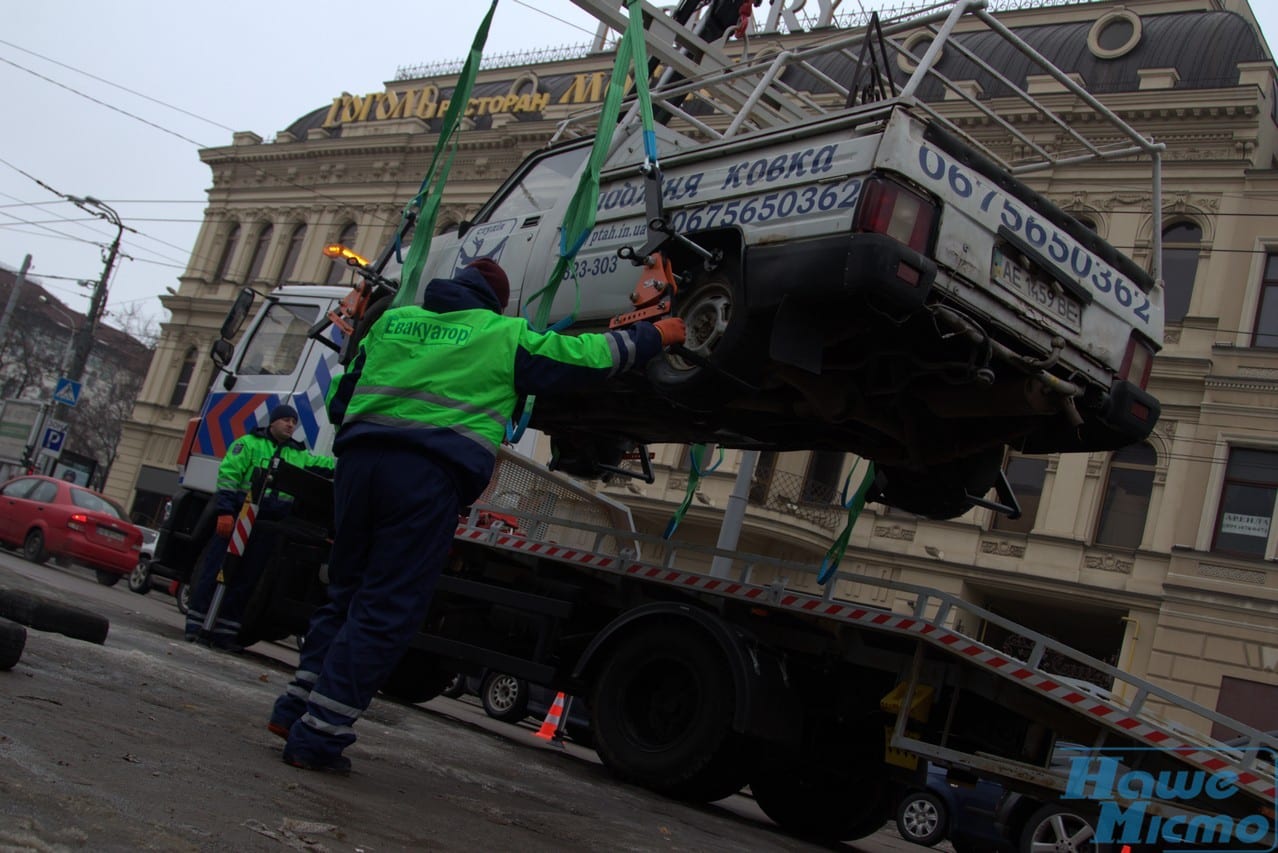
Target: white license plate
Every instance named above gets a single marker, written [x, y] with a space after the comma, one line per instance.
[1045, 297]
[114, 535]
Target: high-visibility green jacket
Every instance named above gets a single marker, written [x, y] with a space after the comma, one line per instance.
[253, 452]
[447, 377]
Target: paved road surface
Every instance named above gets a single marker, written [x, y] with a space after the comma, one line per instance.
[150, 743]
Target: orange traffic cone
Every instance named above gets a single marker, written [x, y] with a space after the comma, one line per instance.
[550, 726]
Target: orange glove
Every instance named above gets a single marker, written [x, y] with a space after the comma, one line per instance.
[225, 524]
[672, 330]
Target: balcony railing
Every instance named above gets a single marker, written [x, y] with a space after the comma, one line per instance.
[806, 500]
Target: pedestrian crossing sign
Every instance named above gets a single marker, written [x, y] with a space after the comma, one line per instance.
[67, 392]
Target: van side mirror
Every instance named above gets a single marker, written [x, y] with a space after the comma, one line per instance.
[239, 312]
[221, 353]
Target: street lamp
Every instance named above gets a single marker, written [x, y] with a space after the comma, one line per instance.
[97, 305]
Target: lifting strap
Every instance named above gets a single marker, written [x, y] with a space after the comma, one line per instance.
[830, 563]
[696, 457]
[579, 218]
[426, 202]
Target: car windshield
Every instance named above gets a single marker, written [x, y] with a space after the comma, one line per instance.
[88, 500]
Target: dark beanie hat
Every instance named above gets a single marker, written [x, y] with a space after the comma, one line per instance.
[496, 278]
[283, 410]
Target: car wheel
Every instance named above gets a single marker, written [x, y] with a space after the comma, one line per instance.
[504, 697]
[183, 598]
[921, 818]
[717, 335]
[13, 638]
[1056, 828]
[140, 577]
[455, 687]
[33, 547]
[106, 578]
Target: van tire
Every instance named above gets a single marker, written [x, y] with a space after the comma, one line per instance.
[13, 639]
[44, 614]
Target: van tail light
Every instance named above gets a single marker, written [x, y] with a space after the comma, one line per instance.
[900, 213]
[79, 521]
[1137, 362]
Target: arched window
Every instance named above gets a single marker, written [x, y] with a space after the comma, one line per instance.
[1126, 503]
[294, 252]
[259, 252]
[821, 482]
[339, 268]
[184, 377]
[228, 250]
[1025, 474]
[1182, 242]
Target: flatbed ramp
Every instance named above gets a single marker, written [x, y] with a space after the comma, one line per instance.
[939, 668]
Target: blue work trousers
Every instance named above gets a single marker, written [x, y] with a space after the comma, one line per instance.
[396, 513]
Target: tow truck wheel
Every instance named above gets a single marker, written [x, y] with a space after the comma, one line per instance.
[714, 312]
[662, 710]
[837, 800]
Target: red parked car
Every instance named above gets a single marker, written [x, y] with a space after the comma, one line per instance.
[53, 518]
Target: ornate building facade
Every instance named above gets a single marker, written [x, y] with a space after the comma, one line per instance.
[1157, 558]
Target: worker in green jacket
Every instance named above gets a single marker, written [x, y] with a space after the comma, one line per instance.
[246, 456]
[421, 411]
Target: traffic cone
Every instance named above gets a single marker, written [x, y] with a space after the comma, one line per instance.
[550, 726]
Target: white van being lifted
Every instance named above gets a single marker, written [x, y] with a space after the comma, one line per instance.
[856, 271]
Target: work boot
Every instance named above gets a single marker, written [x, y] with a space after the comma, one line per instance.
[279, 727]
[339, 765]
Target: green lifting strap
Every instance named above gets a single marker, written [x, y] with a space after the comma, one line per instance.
[432, 189]
[579, 218]
[834, 555]
[696, 456]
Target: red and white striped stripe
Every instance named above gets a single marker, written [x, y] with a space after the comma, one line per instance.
[243, 527]
[1016, 670]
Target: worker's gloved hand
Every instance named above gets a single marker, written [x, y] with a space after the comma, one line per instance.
[672, 331]
[225, 524]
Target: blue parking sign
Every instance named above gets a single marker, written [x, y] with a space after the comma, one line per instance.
[51, 441]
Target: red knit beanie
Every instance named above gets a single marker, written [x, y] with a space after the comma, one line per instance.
[496, 278]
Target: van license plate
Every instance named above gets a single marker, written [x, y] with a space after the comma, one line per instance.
[1040, 294]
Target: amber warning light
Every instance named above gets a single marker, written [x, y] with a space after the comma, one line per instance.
[337, 250]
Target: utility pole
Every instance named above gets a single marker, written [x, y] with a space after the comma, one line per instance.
[83, 341]
[13, 301]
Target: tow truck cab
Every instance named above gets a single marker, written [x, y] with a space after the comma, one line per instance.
[274, 363]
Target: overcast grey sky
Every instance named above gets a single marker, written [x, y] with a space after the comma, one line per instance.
[233, 65]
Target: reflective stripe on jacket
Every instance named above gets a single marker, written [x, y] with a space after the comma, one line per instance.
[251, 452]
[448, 382]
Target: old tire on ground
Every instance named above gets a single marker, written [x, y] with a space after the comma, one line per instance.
[140, 577]
[33, 547]
[13, 639]
[1054, 827]
[107, 578]
[44, 614]
[662, 715]
[840, 800]
[417, 678]
[922, 818]
[504, 697]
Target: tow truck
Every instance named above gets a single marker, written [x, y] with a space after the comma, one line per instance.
[702, 682]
